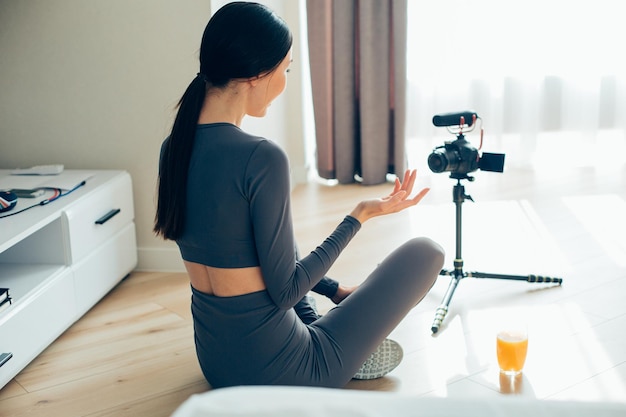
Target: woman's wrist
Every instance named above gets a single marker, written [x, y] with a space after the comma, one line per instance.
[359, 213]
[342, 293]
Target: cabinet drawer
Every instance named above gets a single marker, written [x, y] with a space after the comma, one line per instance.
[26, 329]
[94, 220]
[101, 270]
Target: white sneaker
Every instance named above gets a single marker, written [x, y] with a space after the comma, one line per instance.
[384, 360]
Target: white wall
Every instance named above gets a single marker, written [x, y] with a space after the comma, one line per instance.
[94, 84]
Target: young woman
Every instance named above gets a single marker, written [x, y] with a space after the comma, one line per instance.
[224, 197]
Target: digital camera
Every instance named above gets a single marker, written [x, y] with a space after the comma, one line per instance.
[459, 157]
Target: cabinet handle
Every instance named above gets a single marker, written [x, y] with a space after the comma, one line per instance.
[4, 358]
[108, 216]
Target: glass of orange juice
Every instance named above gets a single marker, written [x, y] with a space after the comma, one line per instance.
[512, 346]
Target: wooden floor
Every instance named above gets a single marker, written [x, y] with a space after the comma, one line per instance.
[133, 353]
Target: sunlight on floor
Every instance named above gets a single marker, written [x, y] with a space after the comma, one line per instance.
[502, 235]
[603, 216]
[563, 347]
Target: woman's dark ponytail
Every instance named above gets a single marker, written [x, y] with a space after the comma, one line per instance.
[241, 40]
[175, 158]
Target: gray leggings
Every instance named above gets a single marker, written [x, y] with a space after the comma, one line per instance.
[248, 340]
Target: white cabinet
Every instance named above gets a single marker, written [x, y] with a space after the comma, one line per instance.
[61, 258]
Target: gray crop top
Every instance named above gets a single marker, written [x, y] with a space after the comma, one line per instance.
[239, 213]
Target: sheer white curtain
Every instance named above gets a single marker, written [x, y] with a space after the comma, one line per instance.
[548, 77]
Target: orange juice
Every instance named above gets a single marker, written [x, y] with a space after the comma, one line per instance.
[512, 348]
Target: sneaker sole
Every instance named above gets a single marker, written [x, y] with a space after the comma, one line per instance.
[384, 360]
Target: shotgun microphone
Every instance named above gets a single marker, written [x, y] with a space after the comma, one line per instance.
[454, 119]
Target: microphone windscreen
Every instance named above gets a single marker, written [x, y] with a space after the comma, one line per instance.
[454, 119]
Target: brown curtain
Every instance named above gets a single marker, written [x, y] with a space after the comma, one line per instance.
[358, 73]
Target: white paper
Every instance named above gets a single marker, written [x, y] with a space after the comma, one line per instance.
[66, 181]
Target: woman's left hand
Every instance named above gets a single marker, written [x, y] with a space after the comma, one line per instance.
[396, 201]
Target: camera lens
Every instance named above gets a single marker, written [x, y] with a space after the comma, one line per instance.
[437, 162]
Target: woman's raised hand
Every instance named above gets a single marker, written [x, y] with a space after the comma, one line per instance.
[396, 201]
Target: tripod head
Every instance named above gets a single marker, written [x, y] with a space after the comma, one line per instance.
[458, 191]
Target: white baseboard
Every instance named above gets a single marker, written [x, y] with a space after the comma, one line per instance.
[299, 175]
[159, 259]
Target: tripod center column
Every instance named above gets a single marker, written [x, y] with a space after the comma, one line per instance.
[458, 268]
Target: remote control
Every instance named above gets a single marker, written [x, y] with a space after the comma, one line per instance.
[39, 170]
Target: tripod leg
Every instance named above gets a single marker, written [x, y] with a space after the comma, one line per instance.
[529, 278]
[442, 310]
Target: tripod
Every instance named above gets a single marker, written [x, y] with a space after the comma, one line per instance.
[457, 274]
